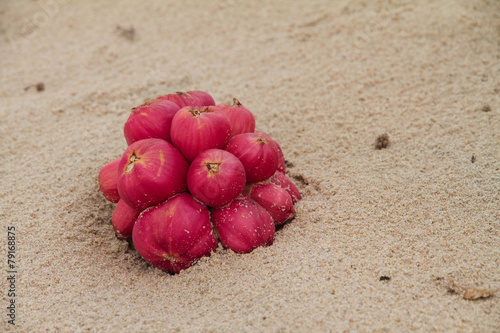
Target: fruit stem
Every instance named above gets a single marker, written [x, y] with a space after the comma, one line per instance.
[262, 139]
[131, 162]
[236, 102]
[196, 113]
[213, 167]
[148, 103]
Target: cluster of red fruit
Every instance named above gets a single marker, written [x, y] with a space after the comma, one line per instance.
[192, 167]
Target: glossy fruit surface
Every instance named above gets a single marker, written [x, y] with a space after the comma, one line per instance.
[216, 177]
[123, 220]
[108, 181]
[201, 98]
[175, 234]
[150, 120]
[190, 98]
[276, 200]
[282, 180]
[242, 120]
[243, 225]
[196, 129]
[281, 157]
[257, 153]
[150, 172]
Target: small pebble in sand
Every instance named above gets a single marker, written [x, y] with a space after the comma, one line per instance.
[382, 141]
[40, 86]
[127, 33]
[486, 108]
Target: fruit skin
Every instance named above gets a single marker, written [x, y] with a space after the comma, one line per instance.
[242, 120]
[175, 234]
[123, 220]
[275, 200]
[151, 171]
[243, 225]
[150, 120]
[178, 98]
[190, 98]
[216, 177]
[108, 181]
[196, 129]
[257, 153]
[202, 98]
[282, 181]
[281, 157]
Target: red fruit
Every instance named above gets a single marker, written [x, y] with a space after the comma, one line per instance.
[180, 98]
[191, 98]
[202, 98]
[175, 234]
[151, 171]
[274, 199]
[282, 181]
[242, 120]
[150, 120]
[196, 129]
[216, 177]
[123, 220]
[108, 180]
[281, 157]
[257, 153]
[243, 225]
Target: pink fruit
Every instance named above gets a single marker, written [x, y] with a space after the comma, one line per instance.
[282, 181]
[242, 120]
[151, 171]
[191, 98]
[216, 177]
[274, 199]
[108, 181]
[281, 157]
[180, 98]
[257, 153]
[150, 120]
[123, 220]
[196, 129]
[202, 98]
[175, 234]
[243, 225]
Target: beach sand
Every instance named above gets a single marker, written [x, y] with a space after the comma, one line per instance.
[325, 79]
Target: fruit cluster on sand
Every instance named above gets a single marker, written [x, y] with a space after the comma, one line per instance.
[196, 173]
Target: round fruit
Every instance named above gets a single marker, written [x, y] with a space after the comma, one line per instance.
[242, 120]
[196, 129]
[257, 153]
[150, 172]
[243, 225]
[282, 181]
[175, 234]
[150, 120]
[216, 177]
[191, 98]
[123, 220]
[281, 157]
[108, 181]
[201, 98]
[276, 200]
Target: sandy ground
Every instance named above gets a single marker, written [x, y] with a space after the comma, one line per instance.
[325, 79]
